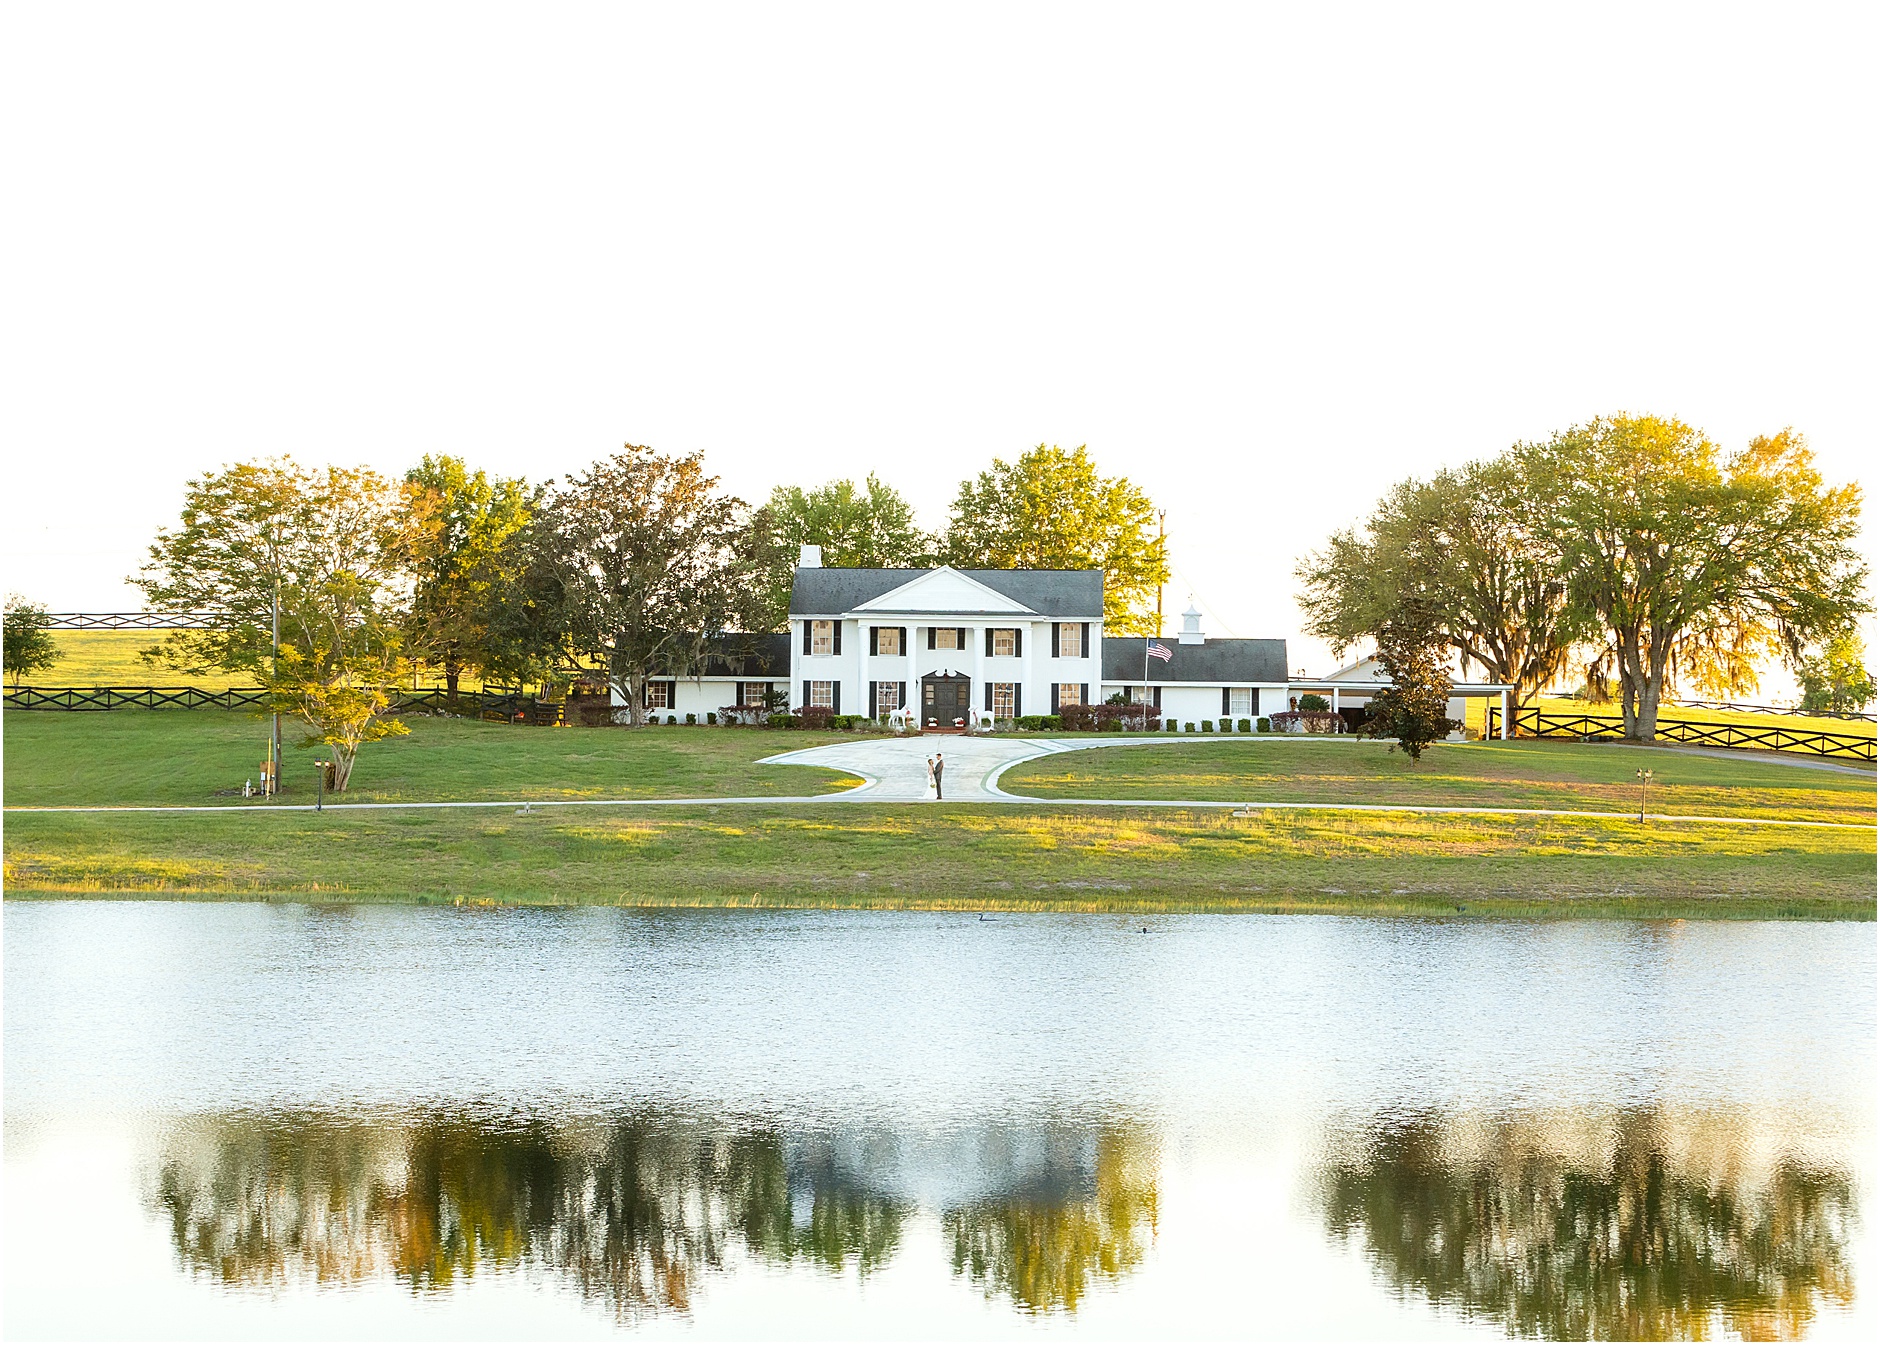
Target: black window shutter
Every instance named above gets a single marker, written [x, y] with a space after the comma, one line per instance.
[988, 647]
[1158, 698]
[835, 698]
[806, 693]
[988, 696]
[1054, 698]
[1018, 699]
[874, 700]
[808, 626]
[1018, 642]
[835, 628]
[903, 697]
[1083, 692]
[905, 647]
[1083, 648]
[1225, 707]
[1054, 649]
[930, 643]
[960, 641]
[874, 639]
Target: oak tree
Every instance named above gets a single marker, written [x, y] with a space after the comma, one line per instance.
[646, 562]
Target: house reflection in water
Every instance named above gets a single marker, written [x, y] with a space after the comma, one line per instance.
[1634, 1226]
[636, 1211]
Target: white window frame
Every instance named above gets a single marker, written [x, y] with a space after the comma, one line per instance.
[887, 698]
[822, 637]
[885, 635]
[751, 693]
[1070, 636]
[658, 695]
[1004, 699]
[1004, 635]
[946, 637]
[1070, 693]
[823, 694]
[1240, 702]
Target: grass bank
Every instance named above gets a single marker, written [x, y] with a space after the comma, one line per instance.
[1522, 773]
[199, 756]
[956, 856]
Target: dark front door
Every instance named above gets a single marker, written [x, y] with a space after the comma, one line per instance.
[944, 699]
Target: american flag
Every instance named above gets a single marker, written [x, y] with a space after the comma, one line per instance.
[1159, 650]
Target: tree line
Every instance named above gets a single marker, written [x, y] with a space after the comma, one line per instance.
[1630, 553]
[640, 565]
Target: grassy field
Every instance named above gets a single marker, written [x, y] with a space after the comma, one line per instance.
[187, 756]
[1046, 855]
[1519, 774]
[956, 856]
[1477, 713]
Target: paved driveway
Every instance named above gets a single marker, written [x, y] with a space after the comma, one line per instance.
[895, 769]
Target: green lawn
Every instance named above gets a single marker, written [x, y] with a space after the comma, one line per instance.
[1518, 774]
[958, 856]
[1046, 855]
[187, 756]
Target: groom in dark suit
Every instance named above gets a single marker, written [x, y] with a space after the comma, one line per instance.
[939, 769]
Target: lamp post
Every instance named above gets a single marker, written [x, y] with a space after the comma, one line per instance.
[319, 796]
[1644, 780]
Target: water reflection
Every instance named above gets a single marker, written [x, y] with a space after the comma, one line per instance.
[1645, 1225]
[637, 1210]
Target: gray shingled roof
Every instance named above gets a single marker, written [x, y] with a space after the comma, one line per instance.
[829, 590]
[1235, 662]
[737, 654]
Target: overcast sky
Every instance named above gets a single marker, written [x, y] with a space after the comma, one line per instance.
[1264, 260]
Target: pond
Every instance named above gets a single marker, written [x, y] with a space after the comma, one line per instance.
[254, 1120]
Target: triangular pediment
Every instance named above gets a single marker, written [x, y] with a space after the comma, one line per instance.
[945, 590]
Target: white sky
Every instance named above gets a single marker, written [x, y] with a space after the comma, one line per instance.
[1264, 260]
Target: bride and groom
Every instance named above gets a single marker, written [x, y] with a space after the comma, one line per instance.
[936, 768]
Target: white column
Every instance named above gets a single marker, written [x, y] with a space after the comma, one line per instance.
[1334, 700]
[1504, 716]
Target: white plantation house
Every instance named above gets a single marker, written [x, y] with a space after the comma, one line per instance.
[951, 648]
[946, 650]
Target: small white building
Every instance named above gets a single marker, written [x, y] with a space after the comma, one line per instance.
[1352, 686]
[738, 669]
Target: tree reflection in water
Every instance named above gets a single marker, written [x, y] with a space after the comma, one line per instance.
[1647, 1227]
[1039, 1245]
[632, 1210]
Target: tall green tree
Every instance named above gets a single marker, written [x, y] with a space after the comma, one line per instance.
[1052, 510]
[1683, 554]
[460, 526]
[644, 562]
[30, 647]
[1471, 549]
[869, 527]
[333, 542]
[1836, 679]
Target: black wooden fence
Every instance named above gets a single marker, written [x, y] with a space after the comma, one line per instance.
[1530, 722]
[501, 705]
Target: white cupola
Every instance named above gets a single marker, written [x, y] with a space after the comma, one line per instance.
[810, 557]
[1191, 625]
